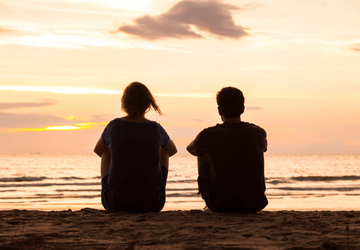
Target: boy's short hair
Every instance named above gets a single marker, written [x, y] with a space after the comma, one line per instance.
[230, 101]
[137, 100]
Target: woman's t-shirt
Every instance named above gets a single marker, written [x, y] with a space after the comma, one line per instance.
[135, 154]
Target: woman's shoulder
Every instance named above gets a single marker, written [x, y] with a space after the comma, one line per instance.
[141, 120]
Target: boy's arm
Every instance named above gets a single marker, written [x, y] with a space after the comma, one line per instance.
[192, 149]
[265, 142]
[266, 145]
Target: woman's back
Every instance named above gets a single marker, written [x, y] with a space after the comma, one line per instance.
[135, 153]
[134, 156]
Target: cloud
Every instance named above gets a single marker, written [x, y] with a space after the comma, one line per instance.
[15, 105]
[61, 90]
[9, 120]
[356, 48]
[95, 91]
[253, 108]
[186, 95]
[211, 16]
[2, 30]
[100, 118]
[289, 96]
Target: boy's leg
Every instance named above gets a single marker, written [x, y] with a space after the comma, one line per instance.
[105, 162]
[164, 158]
[204, 179]
[202, 159]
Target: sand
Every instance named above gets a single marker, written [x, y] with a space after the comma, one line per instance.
[196, 229]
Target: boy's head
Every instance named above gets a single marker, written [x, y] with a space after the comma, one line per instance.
[137, 100]
[231, 102]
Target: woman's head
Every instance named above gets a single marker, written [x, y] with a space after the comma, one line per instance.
[137, 100]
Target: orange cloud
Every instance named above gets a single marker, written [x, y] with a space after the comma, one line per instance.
[62, 89]
[356, 48]
[77, 126]
[2, 30]
[15, 105]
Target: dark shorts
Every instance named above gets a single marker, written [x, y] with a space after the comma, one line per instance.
[113, 201]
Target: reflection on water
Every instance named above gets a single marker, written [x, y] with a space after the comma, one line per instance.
[55, 182]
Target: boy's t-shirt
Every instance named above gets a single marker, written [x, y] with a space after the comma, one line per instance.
[237, 161]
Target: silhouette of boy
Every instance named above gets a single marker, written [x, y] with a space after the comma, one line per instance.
[231, 159]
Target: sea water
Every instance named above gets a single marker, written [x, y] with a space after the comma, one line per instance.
[296, 182]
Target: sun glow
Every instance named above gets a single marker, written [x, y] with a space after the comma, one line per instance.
[258, 45]
[77, 126]
[73, 118]
[93, 125]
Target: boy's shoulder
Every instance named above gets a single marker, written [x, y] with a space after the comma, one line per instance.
[229, 126]
[227, 129]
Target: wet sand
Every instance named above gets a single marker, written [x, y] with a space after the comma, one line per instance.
[192, 230]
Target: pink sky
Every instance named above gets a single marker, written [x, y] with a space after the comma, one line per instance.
[64, 65]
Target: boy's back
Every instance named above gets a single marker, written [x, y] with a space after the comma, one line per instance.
[237, 163]
[231, 159]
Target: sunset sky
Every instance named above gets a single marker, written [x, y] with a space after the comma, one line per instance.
[64, 64]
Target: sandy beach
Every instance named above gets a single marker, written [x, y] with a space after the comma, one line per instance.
[196, 229]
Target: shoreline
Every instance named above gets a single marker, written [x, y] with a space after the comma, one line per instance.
[327, 203]
[191, 229]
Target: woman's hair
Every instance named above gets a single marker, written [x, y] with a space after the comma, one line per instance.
[137, 100]
[230, 101]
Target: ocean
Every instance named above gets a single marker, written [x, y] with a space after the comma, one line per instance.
[62, 182]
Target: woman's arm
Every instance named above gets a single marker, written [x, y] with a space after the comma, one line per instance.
[100, 147]
[171, 148]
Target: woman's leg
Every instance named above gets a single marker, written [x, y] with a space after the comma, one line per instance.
[105, 162]
[164, 158]
[164, 163]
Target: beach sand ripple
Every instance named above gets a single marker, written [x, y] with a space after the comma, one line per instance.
[190, 230]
